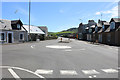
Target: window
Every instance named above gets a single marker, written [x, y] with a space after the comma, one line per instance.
[21, 36]
[2, 36]
[103, 27]
[96, 29]
[18, 26]
[112, 25]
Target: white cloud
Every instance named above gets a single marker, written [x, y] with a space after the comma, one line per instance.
[113, 12]
[97, 13]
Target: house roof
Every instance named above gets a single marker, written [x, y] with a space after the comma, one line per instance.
[107, 30]
[115, 19]
[93, 26]
[33, 29]
[99, 25]
[16, 21]
[100, 30]
[5, 24]
[106, 23]
[94, 32]
[118, 29]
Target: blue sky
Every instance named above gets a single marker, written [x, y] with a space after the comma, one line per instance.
[58, 16]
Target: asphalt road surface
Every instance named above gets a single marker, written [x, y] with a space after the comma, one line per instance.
[54, 59]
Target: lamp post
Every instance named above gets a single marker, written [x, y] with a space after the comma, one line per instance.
[29, 18]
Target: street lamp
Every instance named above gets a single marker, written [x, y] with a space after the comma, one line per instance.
[29, 18]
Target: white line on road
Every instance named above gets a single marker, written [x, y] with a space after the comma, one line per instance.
[81, 49]
[90, 72]
[32, 46]
[22, 69]
[58, 47]
[43, 71]
[110, 70]
[90, 77]
[68, 72]
[68, 50]
[14, 74]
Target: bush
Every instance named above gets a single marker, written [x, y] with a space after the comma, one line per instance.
[50, 37]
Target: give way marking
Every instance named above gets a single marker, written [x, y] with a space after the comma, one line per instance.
[10, 69]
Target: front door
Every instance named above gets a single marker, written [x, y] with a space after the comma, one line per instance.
[9, 37]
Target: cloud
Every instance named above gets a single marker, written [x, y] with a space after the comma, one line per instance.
[113, 12]
[97, 13]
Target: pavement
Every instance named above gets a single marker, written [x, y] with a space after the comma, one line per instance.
[54, 59]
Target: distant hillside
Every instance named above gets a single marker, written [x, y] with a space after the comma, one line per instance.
[74, 30]
[64, 32]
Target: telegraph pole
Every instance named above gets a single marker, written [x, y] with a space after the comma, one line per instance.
[101, 16]
[29, 18]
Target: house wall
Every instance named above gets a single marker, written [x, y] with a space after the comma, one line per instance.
[112, 39]
[100, 37]
[104, 37]
[117, 38]
[15, 36]
[96, 37]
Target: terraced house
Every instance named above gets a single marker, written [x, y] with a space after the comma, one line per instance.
[11, 31]
[103, 32]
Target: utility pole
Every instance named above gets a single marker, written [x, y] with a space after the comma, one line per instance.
[101, 16]
[29, 19]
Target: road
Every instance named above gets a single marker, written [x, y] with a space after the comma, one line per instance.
[54, 59]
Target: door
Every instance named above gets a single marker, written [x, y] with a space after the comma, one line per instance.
[9, 37]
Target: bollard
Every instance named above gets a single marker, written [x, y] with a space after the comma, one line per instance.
[61, 39]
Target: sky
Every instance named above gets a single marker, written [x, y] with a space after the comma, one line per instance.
[58, 16]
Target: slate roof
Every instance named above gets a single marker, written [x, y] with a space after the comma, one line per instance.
[100, 31]
[107, 30]
[16, 21]
[33, 29]
[99, 25]
[93, 26]
[106, 23]
[5, 24]
[116, 19]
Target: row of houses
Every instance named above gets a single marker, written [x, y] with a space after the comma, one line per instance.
[14, 31]
[101, 32]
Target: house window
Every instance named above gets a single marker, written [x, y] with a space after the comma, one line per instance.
[2, 36]
[18, 26]
[21, 37]
[103, 27]
[112, 25]
[96, 29]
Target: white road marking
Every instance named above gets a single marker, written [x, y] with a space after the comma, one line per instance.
[43, 71]
[82, 49]
[32, 46]
[22, 69]
[68, 50]
[68, 72]
[90, 76]
[90, 72]
[94, 76]
[118, 67]
[110, 70]
[58, 47]
[13, 74]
